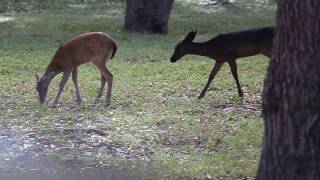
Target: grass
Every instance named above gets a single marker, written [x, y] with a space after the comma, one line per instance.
[155, 116]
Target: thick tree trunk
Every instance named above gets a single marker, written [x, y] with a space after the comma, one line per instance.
[148, 16]
[291, 98]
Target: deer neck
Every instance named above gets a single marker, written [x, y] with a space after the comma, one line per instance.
[201, 49]
[49, 75]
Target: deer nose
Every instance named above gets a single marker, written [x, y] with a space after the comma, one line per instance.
[172, 59]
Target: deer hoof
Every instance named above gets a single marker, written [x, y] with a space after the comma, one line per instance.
[55, 104]
[79, 100]
[96, 101]
[107, 104]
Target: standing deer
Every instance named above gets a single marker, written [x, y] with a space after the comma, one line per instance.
[227, 47]
[96, 47]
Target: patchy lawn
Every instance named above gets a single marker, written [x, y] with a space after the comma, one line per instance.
[155, 123]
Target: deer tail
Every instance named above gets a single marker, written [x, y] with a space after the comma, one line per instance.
[114, 50]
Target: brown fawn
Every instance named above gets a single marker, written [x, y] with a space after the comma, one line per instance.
[96, 47]
[227, 47]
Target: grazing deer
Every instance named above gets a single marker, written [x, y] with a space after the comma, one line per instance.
[227, 47]
[96, 47]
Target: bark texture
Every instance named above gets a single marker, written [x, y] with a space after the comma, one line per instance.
[291, 97]
[148, 16]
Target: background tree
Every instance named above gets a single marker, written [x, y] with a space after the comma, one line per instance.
[148, 16]
[291, 98]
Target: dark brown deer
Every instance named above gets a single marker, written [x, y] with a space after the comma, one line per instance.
[227, 47]
[96, 47]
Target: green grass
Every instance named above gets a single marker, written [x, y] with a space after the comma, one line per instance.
[154, 103]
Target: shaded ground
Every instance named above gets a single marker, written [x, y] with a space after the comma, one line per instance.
[26, 160]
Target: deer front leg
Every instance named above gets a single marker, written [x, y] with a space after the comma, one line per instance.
[63, 81]
[107, 76]
[75, 81]
[233, 67]
[213, 73]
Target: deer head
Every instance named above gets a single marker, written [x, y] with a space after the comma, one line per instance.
[181, 48]
[42, 85]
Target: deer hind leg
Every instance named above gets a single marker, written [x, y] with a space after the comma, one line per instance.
[107, 75]
[233, 67]
[63, 81]
[75, 81]
[103, 83]
[213, 73]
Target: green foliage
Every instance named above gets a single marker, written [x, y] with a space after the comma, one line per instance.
[155, 111]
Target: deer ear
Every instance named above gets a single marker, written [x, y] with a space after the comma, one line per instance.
[51, 74]
[195, 33]
[190, 37]
[37, 76]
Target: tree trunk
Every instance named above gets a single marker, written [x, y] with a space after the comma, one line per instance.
[148, 16]
[291, 97]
